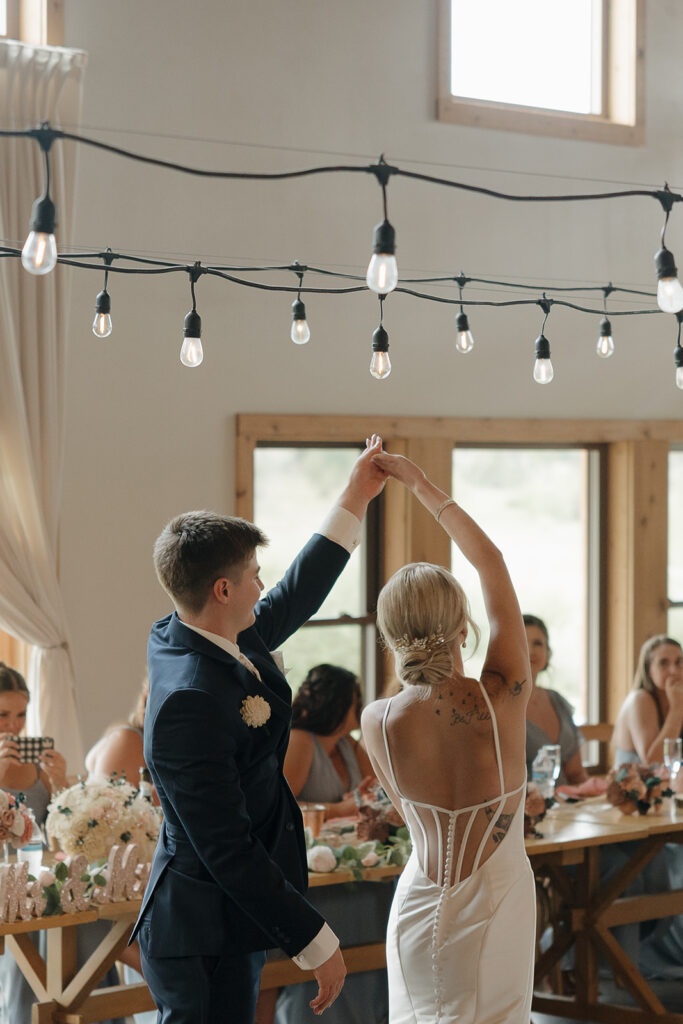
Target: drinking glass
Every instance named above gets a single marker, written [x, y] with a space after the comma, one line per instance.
[554, 754]
[673, 756]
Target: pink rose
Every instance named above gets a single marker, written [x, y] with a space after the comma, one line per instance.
[46, 878]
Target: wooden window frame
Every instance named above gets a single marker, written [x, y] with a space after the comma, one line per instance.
[634, 514]
[622, 121]
[37, 22]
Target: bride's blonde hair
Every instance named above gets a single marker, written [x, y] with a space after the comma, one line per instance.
[421, 611]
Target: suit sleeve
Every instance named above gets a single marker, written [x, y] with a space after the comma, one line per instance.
[301, 591]
[194, 756]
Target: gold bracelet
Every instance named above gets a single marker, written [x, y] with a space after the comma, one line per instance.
[442, 506]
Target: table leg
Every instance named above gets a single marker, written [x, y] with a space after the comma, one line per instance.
[586, 953]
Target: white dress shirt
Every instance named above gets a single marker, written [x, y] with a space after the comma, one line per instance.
[342, 527]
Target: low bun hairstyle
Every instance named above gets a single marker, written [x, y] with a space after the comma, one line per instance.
[421, 612]
[324, 699]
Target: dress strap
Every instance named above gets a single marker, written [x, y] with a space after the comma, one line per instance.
[496, 740]
[386, 747]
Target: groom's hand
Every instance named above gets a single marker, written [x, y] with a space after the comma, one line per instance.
[366, 481]
[330, 977]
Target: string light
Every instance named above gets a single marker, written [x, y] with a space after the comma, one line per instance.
[543, 368]
[382, 275]
[380, 364]
[39, 254]
[678, 354]
[464, 342]
[192, 353]
[300, 332]
[605, 346]
[101, 325]
[669, 290]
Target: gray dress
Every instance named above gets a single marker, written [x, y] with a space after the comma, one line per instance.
[569, 737]
[356, 913]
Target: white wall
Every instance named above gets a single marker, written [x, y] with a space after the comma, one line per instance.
[275, 86]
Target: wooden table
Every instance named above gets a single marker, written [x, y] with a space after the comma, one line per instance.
[574, 835]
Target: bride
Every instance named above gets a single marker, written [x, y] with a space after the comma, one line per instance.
[450, 751]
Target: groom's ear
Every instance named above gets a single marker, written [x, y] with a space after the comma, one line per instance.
[221, 590]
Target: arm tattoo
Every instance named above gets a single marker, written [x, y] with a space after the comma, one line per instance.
[513, 688]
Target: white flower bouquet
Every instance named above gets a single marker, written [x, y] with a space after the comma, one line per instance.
[93, 815]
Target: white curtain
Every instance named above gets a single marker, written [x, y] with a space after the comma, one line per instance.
[36, 84]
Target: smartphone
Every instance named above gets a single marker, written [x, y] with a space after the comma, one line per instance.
[31, 747]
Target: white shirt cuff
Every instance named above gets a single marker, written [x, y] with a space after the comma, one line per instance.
[342, 527]
[318, 950]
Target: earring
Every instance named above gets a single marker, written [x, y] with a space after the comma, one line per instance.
[464, 643]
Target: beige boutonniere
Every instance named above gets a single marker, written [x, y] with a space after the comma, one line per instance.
[255, 711]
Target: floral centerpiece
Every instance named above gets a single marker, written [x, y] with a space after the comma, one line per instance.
[637, 787]
[93, 815]
[370, 854]
[16, 821]
[535, 807]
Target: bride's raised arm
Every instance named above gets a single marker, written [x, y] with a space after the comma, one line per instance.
[507, 657]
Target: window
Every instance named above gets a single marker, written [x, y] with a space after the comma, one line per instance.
[541, 507]
[38, 22]
[294, 488]
[571, 67]
[675, 546]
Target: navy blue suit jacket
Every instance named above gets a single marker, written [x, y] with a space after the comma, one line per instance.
[230, 868]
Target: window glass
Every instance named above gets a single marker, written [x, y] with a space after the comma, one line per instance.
[675, 547]
[531, 53]
[294, 488]
[533, 505]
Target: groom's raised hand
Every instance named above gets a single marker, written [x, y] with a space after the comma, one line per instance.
[330, 977]
[366, 481]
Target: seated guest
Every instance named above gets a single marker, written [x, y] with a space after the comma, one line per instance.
[653, 711]
[548, 714]
[324, 763]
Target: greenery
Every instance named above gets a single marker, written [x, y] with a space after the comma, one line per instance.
[350, 858]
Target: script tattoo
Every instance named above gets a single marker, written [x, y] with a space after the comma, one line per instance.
[465, 717]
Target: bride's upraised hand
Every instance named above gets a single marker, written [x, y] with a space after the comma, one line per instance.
[400, 468]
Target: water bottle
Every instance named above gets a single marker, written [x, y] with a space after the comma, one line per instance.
[32, 853]
[542, 774]
[145, 784]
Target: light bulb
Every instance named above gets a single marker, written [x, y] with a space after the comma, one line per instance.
[679, 377]
[605, 346]
[543, 368]
[464, 342]
[669, 295]
[39, 254]
[101, 325]
[380, 365]
[543, 371]
[300, 332]
[192, 353]
[382, 275]
[669, 290]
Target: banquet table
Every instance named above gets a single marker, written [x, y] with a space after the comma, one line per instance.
[572, 837]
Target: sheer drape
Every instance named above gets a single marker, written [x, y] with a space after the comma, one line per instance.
[36, 84]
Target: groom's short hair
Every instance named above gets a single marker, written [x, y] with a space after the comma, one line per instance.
[197, 548]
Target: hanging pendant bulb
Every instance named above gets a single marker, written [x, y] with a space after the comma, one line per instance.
[678, 362]
[669, 290]
[464, 342]
[101, 325]
[192, 353]
[39, 254]
[300, 332]
[605, 346]
[543, 368]
[382, 275]
[380, 364]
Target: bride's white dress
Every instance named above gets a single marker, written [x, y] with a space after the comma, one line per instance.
[461, 948]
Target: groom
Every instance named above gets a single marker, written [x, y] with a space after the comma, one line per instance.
[230, 866]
